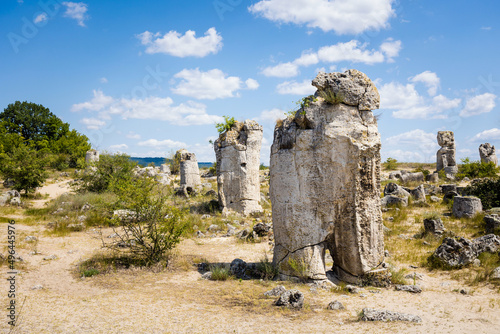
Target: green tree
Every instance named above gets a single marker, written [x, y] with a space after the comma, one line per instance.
[390, 164]
[25, 167]
[108, 171]
[152, 227]
[226, 125]
[44, 131]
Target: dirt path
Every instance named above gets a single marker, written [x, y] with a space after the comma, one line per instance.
[54, 190]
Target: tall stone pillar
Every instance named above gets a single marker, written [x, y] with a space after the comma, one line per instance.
[92, 156]
[445, 156]
[189, 171]
[238, 160]
[325, 181]
[487, 153]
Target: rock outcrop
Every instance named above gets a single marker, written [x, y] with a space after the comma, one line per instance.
[487, 153]
[325, 181]
[459, 252]
[238, 160]
[445, 156]
[92, 156]
[189, 171]
[466, 206]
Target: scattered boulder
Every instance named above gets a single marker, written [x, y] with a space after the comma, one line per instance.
[394, 200]
[492, 223]
[459, 252]
[15, 201]
[49, 258]
[467, 206]
[291, 298]
[370, 314]
[433, 178]
[433, 226]
[435, 199]
[275, 292]
[238, 268]
[408, 288]
[418, 194]
[335, 306]
[446, 188]
[207, 275]
[495, 274]
[487, 153]
[449, 196]
[261, 229]
[395, 190]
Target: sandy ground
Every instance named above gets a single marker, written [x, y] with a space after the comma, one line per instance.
[179, 301]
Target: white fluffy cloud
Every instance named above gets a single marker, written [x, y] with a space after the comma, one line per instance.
[352, 51]
[429, 79]
[407, 103]
[487, 135]
[210, 85]
[77, 11]
[93, 123]
[41, 18]
[271, 115]
[133, 135]
[341, 16]
[166, 143]
[479, 104]
[252, 84]
[118, 147]
[178, 45]
[153, 108]
[420, 146]
[296, 88]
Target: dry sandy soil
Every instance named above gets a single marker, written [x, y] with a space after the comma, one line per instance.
[179, 301]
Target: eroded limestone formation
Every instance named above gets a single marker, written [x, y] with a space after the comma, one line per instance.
[189, 171]
[445, 157]
[238, 160]
[487, 153]
[92, 156]
[325, 181]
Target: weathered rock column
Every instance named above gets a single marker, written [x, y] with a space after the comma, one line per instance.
[487, 153]
[189, 171]
[91, 156]
[238, 161]
[445, 156]
[325, 181]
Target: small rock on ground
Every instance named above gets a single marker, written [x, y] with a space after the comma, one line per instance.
[370, 314]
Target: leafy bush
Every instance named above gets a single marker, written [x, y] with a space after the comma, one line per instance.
[488, 190]
[477, 169]
[153, 227]
[226, 125]
[390, 164]
[109, 170]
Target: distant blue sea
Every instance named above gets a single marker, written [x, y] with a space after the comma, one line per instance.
[158, 161]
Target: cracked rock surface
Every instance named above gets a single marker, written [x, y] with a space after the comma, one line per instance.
[325, 181]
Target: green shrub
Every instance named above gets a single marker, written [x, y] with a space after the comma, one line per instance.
[477, 169]
[220, 272]
[390, 164]
[488, 190]
[331, 97]
[90, 272]
[226, 125]
[110, 170]
[266, 269]
[153, 227]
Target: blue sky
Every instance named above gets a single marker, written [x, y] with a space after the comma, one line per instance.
[150, 77]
